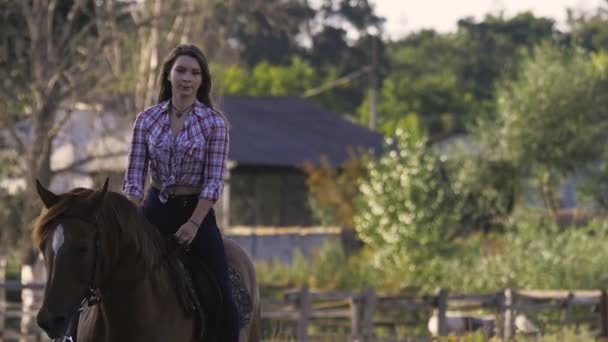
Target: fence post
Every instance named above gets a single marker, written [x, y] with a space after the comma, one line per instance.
[442, 307]
[603, 317]
[369, 308]
[3, 305]
[355, 301]
[509, 315]
[567, 309]
[304, 305]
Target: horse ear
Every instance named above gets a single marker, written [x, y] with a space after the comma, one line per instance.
[48, 198]
[97, 197]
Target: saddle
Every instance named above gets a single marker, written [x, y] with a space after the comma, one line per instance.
[199, 295]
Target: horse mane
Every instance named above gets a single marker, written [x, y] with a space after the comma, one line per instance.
[119, 220]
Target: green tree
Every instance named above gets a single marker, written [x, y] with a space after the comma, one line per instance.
[589, 30]
[447, 80]
[551, 120]
[430, 88]
[494, 46]
[266, 79]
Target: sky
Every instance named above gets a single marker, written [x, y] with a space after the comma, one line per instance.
[405, 16]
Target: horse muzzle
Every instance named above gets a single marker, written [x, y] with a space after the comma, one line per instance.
[54, 325]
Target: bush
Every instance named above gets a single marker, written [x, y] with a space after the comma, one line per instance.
[406, 211]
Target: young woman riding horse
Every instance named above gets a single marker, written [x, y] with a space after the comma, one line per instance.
[107, 264]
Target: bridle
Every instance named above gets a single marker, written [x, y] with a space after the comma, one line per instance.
[93, 296]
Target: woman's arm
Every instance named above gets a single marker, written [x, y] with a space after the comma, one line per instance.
[137, 167]
[216, 159]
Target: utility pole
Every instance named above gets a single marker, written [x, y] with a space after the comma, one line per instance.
[373, 84]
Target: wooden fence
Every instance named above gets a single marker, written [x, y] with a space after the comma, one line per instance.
[369, 316]
[366, 311]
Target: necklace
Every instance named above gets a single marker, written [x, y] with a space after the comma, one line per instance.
[180, 112]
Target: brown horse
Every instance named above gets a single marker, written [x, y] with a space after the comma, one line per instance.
[106, 263]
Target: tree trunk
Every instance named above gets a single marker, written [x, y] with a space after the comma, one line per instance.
[549, 195]
[38, 162]
[145, 90]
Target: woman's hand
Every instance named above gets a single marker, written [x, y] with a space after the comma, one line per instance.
[186, 233]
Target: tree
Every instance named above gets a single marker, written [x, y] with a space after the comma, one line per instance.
[551, 121]
[429, 88]
[447, 80]
[266, 79]
[53, 54]
[589, 30]
[494, 45]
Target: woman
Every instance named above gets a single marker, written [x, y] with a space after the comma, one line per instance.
[184, 141]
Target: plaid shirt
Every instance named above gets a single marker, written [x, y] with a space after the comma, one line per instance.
[195, 157]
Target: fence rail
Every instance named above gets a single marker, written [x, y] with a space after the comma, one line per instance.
[367, 311]
[364, 313]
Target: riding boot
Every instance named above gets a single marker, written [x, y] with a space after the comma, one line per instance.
[208, 295]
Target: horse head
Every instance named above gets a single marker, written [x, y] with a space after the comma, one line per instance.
[67, 235]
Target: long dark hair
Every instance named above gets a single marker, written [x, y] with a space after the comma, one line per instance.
[204, 91]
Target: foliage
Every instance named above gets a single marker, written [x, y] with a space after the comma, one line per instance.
[533, 253]
[422, 86]
[554, 114]
[589, 30]
[551, 120]
[406, 211]
[333, 191]
[328, 268]
[448, 80]
[493, 47]
[486, 188]
[266, 79]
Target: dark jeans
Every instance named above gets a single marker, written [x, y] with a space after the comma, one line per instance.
[207, 246]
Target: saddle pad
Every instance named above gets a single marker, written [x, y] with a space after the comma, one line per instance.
[241, 297]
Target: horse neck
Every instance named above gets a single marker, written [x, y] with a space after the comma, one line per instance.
[138, 301]
[142, 310]
[142, 316]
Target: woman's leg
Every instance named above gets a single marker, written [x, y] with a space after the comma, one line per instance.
[209, 246]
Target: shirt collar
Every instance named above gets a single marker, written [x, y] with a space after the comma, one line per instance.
[164, 106]
[199, 107]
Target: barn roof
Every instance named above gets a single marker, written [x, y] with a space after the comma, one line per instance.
[288, 131]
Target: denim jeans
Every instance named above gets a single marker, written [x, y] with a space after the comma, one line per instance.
[208, 245]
